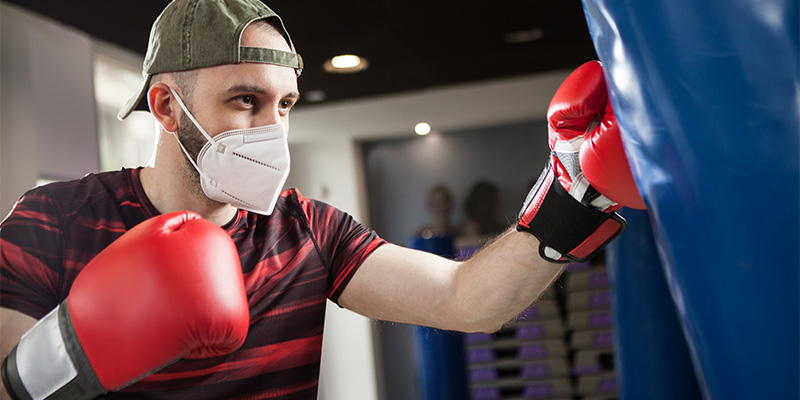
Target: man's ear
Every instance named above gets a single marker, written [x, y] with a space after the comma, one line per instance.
[163, 109]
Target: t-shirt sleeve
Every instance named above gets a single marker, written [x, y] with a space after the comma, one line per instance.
[30, 255]
[343, 243]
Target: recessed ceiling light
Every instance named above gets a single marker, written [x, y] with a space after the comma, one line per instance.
[422, 128]
[346, 61]
[345, 64]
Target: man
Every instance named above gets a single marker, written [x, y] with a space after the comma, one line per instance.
[109, 253]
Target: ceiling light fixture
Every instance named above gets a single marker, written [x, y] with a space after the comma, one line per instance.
[422, 128]
[345, 64]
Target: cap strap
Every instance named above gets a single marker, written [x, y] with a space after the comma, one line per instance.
[271, 56]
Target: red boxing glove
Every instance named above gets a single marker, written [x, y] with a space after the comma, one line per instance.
[169, 288]
[571, 207]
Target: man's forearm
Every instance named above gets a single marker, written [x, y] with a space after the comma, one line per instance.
[502, 280]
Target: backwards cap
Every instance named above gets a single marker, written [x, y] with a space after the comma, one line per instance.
[191, 34]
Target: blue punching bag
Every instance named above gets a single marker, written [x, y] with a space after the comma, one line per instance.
[651, 356]
[706, 94]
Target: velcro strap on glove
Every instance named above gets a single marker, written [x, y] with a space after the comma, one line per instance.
[568, 231]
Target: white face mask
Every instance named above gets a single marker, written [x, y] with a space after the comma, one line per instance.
[245, 168]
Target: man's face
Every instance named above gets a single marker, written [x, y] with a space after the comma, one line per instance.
[238, 96]
[244, 95]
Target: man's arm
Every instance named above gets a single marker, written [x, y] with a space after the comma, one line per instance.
[13, 324]
[565, 218]
[480, 294]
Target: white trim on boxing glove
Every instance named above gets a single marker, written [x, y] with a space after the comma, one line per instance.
[42, 360]
[49, 363]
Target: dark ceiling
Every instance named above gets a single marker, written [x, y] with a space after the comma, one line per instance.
[410, 44]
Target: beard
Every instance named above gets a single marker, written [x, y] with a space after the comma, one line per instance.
[193, 141]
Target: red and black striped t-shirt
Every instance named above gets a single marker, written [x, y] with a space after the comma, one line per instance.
[292, 261]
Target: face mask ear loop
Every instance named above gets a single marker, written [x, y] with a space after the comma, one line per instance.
[191, 117]
[188, 156]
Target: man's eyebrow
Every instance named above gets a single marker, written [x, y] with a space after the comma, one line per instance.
[247, 88]
[258, 90]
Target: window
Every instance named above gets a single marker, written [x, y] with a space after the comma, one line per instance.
[117, 77]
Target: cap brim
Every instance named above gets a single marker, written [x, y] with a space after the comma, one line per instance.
[137, 102]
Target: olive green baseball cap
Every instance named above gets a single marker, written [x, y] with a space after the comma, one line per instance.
[191, 34]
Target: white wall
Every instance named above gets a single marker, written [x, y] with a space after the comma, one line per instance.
[47, 113]
[453, 108]
[327, 170]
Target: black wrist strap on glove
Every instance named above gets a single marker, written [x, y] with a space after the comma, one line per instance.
[568, 231]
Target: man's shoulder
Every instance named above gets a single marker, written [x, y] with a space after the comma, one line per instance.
[71, 195]
[87, 184]
[292, 202]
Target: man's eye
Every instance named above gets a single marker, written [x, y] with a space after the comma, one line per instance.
[247, 99]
